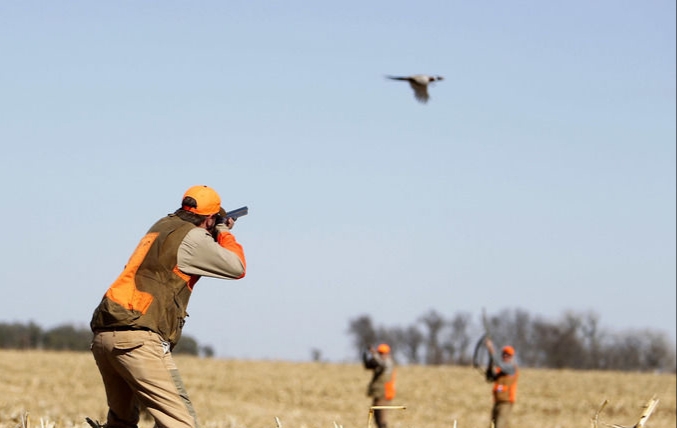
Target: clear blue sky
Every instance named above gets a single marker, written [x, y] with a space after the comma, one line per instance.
[540, 176]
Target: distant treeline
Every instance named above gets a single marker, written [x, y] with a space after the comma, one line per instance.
[576, 341]
[70, 338]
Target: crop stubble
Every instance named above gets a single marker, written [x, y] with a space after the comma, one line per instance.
[63, 387]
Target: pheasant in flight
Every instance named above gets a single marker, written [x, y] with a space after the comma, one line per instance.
[419, 83]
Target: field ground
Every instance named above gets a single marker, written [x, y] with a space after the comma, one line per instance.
[58, 389]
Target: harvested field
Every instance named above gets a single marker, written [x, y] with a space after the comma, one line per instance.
[61, 388]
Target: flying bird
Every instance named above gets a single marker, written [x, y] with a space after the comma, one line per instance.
[419, 83]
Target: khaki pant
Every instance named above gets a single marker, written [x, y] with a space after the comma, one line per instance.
[500, 414]
[137, 368]
[380, 415]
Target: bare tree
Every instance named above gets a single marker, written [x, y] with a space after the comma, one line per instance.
[623, 352]
[574, 341]
[434, 324]
[315, 355]
[515, 327]
[522, 336]
[389, 336]
[20, 336]
[592, 336]
[559, 344]
[458, 340]
[363, 332]
[642, 350]
[410, 340]
[657, 352]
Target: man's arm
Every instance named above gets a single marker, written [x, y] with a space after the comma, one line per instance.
[199, 254]
[506, 368]
[490, 346]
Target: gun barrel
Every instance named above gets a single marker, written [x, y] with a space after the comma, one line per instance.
[235, 214]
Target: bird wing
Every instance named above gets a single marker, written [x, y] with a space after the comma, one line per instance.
[397, 78]
[420, 91]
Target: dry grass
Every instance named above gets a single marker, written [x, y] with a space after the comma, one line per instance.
[62, 388]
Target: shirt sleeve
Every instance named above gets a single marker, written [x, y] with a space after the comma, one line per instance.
[199, 254]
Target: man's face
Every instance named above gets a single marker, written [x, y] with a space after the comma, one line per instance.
[211, 222]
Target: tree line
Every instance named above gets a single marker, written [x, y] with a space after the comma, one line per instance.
[575, 341]
[70, 338]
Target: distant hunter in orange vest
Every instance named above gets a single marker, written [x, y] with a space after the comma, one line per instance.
[382, 385]
[504, 373]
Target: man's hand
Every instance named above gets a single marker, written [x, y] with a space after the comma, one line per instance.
[490, 346]
[225, 226]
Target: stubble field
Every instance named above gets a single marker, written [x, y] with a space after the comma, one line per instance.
[59, 389]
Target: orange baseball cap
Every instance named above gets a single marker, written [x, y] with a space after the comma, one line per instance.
[208, 201]
[383, 348]
[509, 350]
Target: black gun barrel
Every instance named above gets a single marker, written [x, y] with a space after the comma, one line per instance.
[235, 214]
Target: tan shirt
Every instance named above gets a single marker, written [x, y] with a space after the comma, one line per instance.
[199, 254]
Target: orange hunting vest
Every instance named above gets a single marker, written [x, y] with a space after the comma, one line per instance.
[390, 386]
[505, 387]
[151, 293]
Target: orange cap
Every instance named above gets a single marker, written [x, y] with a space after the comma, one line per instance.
[383, 348]
[509, 350]
[208, 201]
